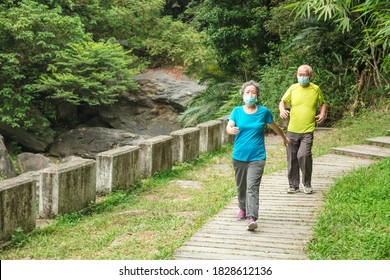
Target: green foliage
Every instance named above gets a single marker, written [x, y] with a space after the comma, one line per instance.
[90, 73]
[236, 32]
[53, 49]
[371, 19]
[158, 39]
[89, 11]
[274, 83]
[19, 238]
[206, 105]
[31, 36]
[176, 7]
[171, 42]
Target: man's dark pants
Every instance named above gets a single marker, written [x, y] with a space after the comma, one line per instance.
[299, 157]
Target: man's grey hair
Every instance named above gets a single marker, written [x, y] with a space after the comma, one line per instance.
[250, 83]
[306, 66]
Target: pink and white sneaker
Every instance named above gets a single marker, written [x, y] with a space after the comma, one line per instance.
[241, 215]
[252, 225]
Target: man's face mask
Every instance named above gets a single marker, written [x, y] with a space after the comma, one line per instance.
[303, 80]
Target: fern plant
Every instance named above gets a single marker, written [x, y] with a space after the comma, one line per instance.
[207, 105]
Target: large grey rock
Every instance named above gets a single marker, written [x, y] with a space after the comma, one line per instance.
[145, 117]
[168, 87]
[153, 110]
[28, 162]
[87, 142]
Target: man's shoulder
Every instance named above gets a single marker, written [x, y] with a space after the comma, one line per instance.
[314, 86]
[294, 86]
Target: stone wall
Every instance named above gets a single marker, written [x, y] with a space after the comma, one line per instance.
[73, 186]
[156, 155]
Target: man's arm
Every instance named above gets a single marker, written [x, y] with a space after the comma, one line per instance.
[283, 113]
[321, 116]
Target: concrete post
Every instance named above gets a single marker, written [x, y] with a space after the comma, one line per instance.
[185, 145]
[210, 135]
[155, 155]
[17, 205]
[117, 169]
[67, 188]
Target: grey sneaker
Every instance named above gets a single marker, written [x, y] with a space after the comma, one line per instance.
[292, 189]
[308, 189]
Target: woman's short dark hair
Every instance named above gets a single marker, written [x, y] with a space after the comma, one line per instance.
[250, 83]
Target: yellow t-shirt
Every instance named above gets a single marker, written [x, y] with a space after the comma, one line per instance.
[303, 102]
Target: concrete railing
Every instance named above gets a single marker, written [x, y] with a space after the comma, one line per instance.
[17, 205]
[210, 135]
[72, 186]
[225, 138]
[185, 145]
[156, 155]
[67, 187]
[117, 169]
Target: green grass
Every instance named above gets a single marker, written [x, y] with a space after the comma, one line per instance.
[355, 221]
[154, 218]
[148, 222]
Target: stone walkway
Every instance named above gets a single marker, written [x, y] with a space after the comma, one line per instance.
[286, 220]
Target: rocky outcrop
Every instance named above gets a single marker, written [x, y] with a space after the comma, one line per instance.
[168, 87]
[35, 138]
[154, 109]
[86, 142]
[150, 111]
[141, 118]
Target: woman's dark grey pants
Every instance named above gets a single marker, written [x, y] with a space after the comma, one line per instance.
[299, 158]
[248, 177]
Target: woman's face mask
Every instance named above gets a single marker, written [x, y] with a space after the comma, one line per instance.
[250, 99]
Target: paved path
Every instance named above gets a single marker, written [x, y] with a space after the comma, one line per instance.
[286, 220]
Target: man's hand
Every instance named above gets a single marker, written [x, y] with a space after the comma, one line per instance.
[320, 118]
[284, 114]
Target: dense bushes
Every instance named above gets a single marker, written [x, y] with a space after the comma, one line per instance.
[84, 52]
[346, 42]
[54, 51]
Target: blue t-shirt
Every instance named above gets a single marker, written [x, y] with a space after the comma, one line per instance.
[249, 142]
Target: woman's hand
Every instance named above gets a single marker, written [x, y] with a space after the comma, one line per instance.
[233, 130]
